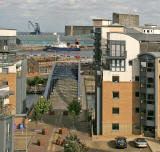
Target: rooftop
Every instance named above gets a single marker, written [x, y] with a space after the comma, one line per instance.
[154, 54]
[101, 19]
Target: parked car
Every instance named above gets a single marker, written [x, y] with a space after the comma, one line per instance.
[121, 142]
[140, 142]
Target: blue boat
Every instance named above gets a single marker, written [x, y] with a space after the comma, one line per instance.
[60, 46]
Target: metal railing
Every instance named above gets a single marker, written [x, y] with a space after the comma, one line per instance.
[110, 54]
[49, 86]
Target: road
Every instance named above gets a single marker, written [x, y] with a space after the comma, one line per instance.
[102, 146]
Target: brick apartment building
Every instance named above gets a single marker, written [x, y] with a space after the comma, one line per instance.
[119, 106]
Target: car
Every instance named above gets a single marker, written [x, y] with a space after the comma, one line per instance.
[121, 142]
[140, 142]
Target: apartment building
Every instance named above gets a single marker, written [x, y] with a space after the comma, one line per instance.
[149, 90]
[13, 72]
[118, 80]
[6, 119]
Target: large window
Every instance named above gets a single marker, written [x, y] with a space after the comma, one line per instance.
[115, 126]
[118, 65]
[117, 50]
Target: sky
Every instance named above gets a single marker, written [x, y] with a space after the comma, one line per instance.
[53, 15]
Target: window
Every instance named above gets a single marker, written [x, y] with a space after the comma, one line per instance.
[5, 70]
[137, 110]
[150, 80]
[137, 78]
[150, 96]
[137, 94]
[115, 79]
[150, 113]
[130, 62]
[115, 126]
[115, 111]
[115, 95]
[150, 64]
[118, 65]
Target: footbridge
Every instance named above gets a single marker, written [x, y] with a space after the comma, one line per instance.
[63, 84]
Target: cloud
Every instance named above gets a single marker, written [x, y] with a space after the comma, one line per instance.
[53, 15]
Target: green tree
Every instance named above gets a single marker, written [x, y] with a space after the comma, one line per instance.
[73, 144]
[42, 106]
[74, 109]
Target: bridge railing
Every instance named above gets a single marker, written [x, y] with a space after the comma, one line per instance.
[49, 85]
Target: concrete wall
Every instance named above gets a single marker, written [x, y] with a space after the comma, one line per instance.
[133, 49]
[78, 30]
[7, 134]
[7, 32]
[21, 88]
[127, 20]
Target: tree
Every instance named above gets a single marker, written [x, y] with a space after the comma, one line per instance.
[42, 106]
[73, 144]
[74, 109]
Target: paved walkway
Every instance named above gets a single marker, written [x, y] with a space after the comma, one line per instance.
[154, 145]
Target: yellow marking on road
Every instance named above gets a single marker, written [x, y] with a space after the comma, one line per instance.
[50, 141]
[54, 146]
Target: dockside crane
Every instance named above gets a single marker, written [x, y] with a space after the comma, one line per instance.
[36, 28]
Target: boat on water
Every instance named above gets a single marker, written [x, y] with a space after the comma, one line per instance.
[60, 46]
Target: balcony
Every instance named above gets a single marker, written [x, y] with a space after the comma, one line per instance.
[120, 55]
[150, 107]
[150, 123]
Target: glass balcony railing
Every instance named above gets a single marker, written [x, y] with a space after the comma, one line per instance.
[116, 55]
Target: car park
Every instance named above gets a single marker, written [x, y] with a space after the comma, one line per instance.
[140, 142]
[121, 142]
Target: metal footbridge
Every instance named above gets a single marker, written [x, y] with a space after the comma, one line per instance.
[62, 74]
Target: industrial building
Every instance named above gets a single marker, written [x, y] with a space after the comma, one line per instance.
[78, 30]
[125, 96]
[128, 20]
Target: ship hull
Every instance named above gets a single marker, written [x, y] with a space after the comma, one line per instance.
[50, 48]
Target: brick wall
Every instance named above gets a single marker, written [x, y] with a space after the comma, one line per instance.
[126, 103]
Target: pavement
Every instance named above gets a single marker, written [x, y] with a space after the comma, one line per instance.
[154, 144]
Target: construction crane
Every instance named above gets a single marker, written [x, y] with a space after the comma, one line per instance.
[36, 28]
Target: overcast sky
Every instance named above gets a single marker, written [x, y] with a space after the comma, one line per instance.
[53, 15]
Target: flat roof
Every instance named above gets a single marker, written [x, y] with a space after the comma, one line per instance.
[1, 28]
[101, 19]
[125, 14]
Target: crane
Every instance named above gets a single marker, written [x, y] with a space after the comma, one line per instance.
[36, 28]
